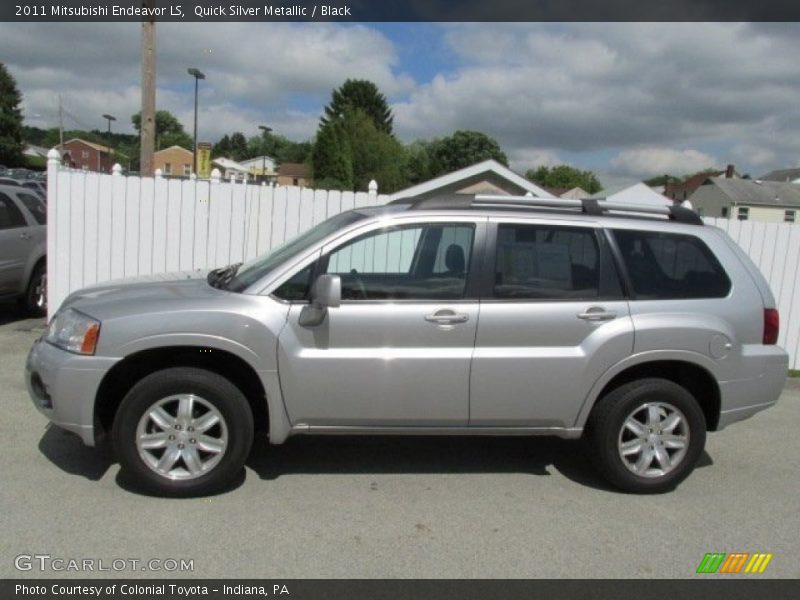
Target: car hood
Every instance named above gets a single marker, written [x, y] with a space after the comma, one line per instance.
[148, 294]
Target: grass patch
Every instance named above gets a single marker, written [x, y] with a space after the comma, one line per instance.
[794, 373]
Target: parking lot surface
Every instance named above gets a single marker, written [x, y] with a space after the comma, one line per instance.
[396, 506]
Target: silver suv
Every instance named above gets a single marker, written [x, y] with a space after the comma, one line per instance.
[637, 329]
[23, 248]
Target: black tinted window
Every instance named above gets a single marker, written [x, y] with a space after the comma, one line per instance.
[297, 287]
[546, 263]
[424, 262]
[10, 215]
[35, 207]
[669, 265]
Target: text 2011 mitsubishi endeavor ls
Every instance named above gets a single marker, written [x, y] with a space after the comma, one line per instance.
[462, 315]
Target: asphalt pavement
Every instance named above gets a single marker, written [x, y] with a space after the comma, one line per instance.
[396, 507]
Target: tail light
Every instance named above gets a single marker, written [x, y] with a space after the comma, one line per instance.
[771, 323]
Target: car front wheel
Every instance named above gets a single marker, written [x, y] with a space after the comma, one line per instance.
[183, 432]
[646, 436]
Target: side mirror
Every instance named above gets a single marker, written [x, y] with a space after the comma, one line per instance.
[325, 293]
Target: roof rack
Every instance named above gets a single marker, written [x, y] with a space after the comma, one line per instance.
[589, 206]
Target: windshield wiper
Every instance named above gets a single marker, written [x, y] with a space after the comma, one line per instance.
[219, 278]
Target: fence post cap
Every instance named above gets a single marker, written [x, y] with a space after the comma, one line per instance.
[373, 187]
[116, 169]
[159, 173]
[216, 175]
[54, 156]
[193, 176]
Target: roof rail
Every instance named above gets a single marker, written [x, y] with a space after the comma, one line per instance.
[590, 206]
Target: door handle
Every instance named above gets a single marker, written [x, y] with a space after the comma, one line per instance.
[597, 313]
[447, 317]
[25, 235]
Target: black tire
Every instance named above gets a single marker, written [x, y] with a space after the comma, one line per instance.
[215, 391]
[35, 300]
[605, 430]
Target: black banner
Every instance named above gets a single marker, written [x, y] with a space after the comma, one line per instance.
[401, 10]
[728, 588]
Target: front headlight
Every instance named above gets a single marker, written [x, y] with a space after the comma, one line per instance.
[74, 331]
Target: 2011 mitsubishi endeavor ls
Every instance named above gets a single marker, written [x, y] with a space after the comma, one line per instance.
[638, 329]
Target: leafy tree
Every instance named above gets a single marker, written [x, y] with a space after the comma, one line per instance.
[238, 146]
[376, 154]
[364, 95]
[418, 162]
[169, 131]
[661, 180]
[331, 159]
[462, 149]
[564, 176]
[11, 144]
[280, 148]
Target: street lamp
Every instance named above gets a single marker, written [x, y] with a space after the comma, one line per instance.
[266, 130]
[109, 118]
[198, 75]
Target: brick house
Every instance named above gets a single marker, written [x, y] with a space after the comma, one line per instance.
[294, 174]
[174, 161]
[80, 154]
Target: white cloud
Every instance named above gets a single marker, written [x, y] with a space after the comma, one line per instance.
[256, 73]
[646, 162]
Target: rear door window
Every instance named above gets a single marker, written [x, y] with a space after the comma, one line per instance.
[10, 215]
[543, 262]
[671, 266]
[35, 207]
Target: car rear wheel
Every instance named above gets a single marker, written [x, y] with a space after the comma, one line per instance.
[646, 436]
[183, 432]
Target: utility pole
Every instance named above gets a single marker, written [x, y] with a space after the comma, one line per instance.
[265, 131]
[198, 75]
[60, 125]
[110, 118]
[148, 123]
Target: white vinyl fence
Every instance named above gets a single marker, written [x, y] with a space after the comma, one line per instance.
[103, 227]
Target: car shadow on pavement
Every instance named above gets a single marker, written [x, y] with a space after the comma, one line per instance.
[66, 451]
[415, 454]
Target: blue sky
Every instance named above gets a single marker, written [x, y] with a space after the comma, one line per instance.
[628, 100]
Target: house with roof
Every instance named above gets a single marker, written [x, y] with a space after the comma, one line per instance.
[487, 177]
[175, 161]
[297, 174]
[748, 200]
[80, 154]
[638, 193]
[678, 191]
[576, 193]
[231, 169]
[260, 167]
[783, 175]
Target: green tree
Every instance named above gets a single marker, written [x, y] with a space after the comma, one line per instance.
[169, 130]
[661, 180]
[462, 149]
[364, 95]
[11, 144]
[375, 154]
[331, 159]
[282, 149]
[418, 162]
[564, 176]
[238, 147]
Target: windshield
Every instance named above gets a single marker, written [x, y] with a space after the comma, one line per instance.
[253, 270]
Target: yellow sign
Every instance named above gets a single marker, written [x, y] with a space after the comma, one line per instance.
[204, 161]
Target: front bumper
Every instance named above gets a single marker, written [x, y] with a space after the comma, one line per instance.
[63, 387]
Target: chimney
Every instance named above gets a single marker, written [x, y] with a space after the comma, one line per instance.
[729, 172]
